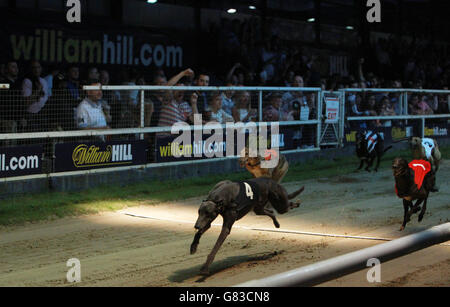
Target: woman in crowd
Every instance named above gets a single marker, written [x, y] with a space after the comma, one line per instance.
[216, 113]
[387, 110]
[242, 111]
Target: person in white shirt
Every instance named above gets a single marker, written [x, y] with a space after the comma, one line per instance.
[90, 113]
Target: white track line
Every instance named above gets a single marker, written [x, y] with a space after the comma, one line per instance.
[271, 229]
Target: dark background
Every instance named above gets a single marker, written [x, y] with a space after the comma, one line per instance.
[195, 24]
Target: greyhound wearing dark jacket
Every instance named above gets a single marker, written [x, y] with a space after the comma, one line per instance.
[370, 145]
[233, 200]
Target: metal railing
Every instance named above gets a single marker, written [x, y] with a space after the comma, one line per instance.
[403, 115]
[141, 130]
[333, 268]
[317, 129]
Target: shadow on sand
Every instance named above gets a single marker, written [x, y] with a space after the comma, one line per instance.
[219, 266]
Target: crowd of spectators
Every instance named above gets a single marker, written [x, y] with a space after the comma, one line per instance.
[51, 98]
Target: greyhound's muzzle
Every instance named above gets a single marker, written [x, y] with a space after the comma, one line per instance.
[200, 224]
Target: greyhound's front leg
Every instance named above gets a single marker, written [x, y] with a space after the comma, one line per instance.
[361, 163]
[407, 214]
[369, 164]
[378, 163]
[416, 207]
[228, 222]
[424, 208]
[197, 237]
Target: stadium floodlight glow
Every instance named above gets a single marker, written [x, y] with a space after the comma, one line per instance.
[231, 11]
[349, 28]
[152, 1]
[311, 19]
[252, 7]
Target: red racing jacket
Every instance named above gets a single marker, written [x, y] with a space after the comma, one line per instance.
[421, 168]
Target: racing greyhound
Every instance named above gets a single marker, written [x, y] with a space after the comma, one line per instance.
[233, 200]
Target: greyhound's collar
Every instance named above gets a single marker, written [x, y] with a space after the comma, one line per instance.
[253, 165]
[256, 164]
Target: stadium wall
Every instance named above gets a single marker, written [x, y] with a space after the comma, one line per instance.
[77, 183]
[162, 173]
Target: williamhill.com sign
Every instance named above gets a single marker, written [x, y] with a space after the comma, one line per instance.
[84, 156]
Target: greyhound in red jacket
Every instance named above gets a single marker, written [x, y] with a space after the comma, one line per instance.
[413, 181]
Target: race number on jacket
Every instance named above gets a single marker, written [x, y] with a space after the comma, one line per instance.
[248, 194]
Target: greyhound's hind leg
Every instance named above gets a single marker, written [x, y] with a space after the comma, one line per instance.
[369, 164]
[270, 213]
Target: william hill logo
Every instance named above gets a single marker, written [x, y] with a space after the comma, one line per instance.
[85, 156]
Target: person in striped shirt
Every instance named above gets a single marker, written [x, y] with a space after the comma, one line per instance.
[171, 112]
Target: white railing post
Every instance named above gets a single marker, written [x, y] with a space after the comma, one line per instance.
[342, 119]
[401, 102]
[319, 117]
[142, 95]
[423, 127]
[260, 105]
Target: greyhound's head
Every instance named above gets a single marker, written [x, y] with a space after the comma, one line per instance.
[415, 142]
[249, 158]
[207, 213]
[399, 167]
[359, 139]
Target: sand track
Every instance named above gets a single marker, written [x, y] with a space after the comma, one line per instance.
[116, 249]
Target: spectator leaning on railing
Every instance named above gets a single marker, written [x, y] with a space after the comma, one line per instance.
[90, 113]
[216, 112]
[189, 109]
[289, 98]
[418, 106]
[274, 112]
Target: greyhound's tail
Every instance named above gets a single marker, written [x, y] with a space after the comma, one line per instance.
[294, 194]
[387, 148]
[402, 140]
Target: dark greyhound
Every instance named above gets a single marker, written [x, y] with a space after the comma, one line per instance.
[370, 145]
[413, 181]
[233, 200]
